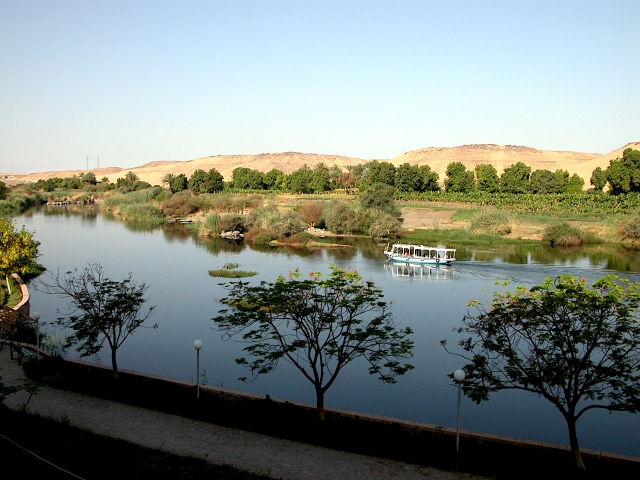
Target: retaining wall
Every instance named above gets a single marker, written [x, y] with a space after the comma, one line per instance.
[493, 455]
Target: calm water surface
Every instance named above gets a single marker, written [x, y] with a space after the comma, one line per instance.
[432, 302]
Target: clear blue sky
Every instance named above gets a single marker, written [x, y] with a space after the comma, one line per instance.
[137, 81]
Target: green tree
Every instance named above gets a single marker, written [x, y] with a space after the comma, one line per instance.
[576, 346]
[198, 182]
[88, 178]
[319, 325]
[429, 179]
[598, 179]
[167, 179]
[215, 181]
[545, 181]
[574, 184]
[458, 179]
[487, 178]
[381, 172]
[274, 179]
[380, 197]
[515, 179]
[247, 179]
[300, 181]
[179, 183]
[101, 310]
[409, 178]
[131, 177]
[4, 191]
[623, 174]
[340, 218]
[320, 180]
[19, 251]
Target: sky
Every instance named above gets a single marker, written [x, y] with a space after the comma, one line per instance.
[138, 81]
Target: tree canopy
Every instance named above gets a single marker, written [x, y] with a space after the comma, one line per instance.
[515, 179]
[101, 310]
[318, 324]
[487, 178]
[577, 346]
[623, 174]
[19, 250]
[459, 179]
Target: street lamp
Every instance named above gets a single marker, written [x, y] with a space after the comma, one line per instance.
[37, 316]
[197, 345]
[458, 376]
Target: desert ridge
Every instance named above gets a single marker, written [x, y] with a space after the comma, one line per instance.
[438, 158]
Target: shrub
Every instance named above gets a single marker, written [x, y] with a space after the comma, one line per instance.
[264, 239]
[563, 235]
[385, 225]
[288, 224]
[210, 225]
[231, 222]
[630, 230]
[263, 217]
[303, 238]
[142, 212]
[180, 204]
[251, 235]
[491, 221]
[340, 218]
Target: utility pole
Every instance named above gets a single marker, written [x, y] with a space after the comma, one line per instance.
[98, 161]
[87, 162]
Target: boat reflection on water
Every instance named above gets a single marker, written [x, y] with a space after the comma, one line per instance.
[441, 272]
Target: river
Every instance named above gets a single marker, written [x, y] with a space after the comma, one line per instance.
[175, 265]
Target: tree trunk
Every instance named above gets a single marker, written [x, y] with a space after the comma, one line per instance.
[8, 284]
[573, 439]
[320, 404]
[114, 364]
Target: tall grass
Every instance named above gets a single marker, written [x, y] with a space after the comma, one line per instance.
[497, 222]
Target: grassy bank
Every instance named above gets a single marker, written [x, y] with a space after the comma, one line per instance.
[93, 456]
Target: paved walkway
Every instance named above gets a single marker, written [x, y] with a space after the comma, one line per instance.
[249, 451]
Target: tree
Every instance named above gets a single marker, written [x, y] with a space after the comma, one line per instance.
[598, 179]
[623, 174]
[409, 178]
[19, 251]
[197, 182]
[381, 172]
[274, 179]
[340, 218]
[545, 181]
[319, 325]
[487, 178]
[247, 179]
[4, 191]
[380, 197]
[179, 183]
[131, 177]
[458, 179]
[101, 310]
[167, 179]
[429, 179]
[576, 346]
[215, 181]
[574, 184]
[89, 178]
[515, 179]
[311, 212]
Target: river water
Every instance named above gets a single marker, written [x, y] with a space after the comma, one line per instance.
[432, 302]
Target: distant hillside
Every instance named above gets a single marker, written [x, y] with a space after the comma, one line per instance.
[500, 156]
[153, 172]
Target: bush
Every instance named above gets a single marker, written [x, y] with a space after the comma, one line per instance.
[385, 225]
[288, 224]
[303, 238]
[231, 222]
[563, 235]
[142, 212]
[251, 235]
[210, 226]
[181, 204]
[630, 230]
[491, 221]
[263, 217]
[340, 218]
[311, 212]
[264, 239]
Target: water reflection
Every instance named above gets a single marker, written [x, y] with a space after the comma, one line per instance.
[427, 271]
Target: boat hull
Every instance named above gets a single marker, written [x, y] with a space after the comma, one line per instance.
[421, 261]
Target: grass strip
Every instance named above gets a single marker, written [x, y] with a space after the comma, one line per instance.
[91, 456]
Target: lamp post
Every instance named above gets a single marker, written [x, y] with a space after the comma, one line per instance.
[458, 376]
[37, 316]
[197, 345]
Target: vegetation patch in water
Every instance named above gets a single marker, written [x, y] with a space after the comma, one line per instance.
[228, 270]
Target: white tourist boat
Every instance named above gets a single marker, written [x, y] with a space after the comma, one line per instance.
[419, 254]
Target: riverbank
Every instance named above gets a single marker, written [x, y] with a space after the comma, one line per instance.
[496, 456]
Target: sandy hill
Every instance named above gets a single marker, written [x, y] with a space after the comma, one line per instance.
[153, 172]
[500, 156]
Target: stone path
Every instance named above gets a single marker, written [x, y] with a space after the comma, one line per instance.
[249, 451]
